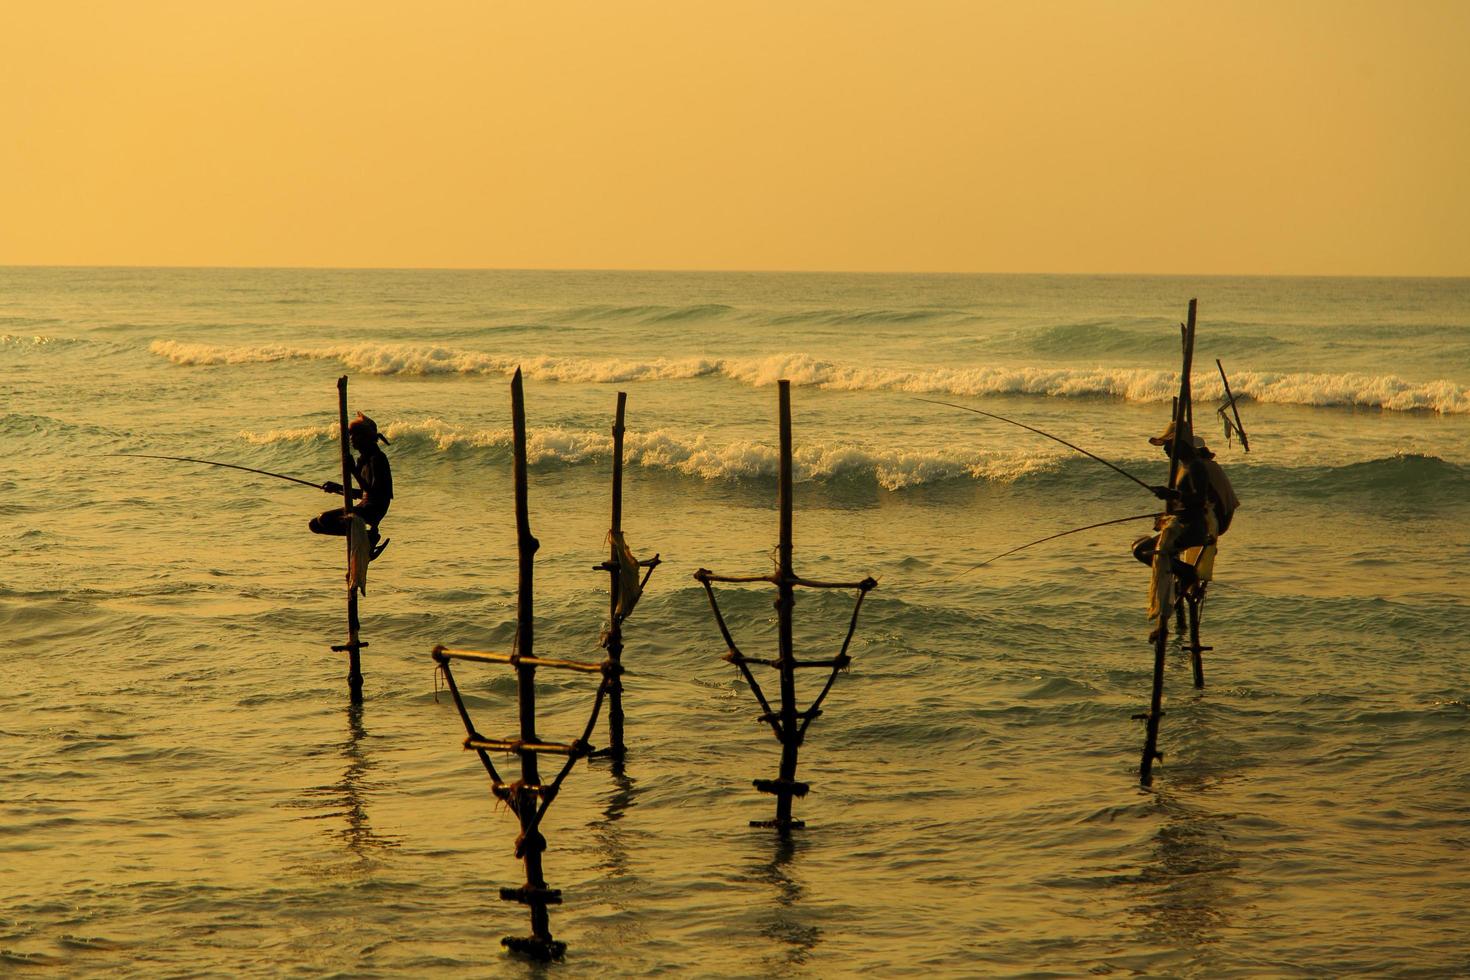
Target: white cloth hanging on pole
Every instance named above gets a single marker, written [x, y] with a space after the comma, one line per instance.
[630, 586]
[359, 553]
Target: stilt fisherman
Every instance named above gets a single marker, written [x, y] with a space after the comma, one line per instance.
[1199, 509]
[374, 477]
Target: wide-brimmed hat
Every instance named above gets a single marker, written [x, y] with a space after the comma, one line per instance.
[362, 422]
[1167, 436]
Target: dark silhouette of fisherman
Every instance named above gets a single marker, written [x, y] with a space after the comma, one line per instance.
[375, 478]
[1197, 511]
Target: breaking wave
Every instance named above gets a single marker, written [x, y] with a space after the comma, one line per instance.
[1130, 384]
[697, 456]
[391, 359]
[1398, 476]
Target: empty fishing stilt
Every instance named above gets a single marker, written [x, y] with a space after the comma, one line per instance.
[354, 644]
[624, 590]
[530, 796]
[787, 723]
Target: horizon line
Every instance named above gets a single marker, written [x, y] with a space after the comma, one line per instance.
[731, 271]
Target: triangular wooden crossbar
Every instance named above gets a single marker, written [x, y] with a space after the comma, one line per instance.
[530, 796]
[788, 723]
[612, 638]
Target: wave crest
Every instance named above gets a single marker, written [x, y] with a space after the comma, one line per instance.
[1387, 392]
[697, 456]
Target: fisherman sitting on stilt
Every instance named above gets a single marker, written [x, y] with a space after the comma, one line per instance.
[374, 477]
[1188, 522]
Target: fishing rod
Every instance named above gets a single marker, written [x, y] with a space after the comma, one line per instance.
[233, 466]
[1050, 537]
[1002, 418]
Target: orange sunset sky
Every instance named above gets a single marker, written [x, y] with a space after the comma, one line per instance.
[1168, 136]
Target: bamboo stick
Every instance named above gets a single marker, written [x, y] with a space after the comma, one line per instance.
[484, 657]
[354, 645]
[614, 643]
[523, 747]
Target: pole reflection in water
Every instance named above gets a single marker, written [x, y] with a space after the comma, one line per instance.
[786, 926]
[1190, 880]
[611, 845]
[347, 799]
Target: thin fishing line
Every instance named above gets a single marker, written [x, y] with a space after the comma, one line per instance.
[1032, 428]
[211, 462]
[1050, 537]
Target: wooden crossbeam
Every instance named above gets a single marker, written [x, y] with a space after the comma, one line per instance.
[514, 659]
[521, 746]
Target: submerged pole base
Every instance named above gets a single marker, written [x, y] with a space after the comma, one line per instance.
[535, 947]
[781, 825]
[617, 753]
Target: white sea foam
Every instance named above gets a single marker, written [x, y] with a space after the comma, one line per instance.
[696, 456]
[1130, 384]
[390, 359]
[196, 354]
[35, 340]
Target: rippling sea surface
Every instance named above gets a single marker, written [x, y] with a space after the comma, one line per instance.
[186, 791]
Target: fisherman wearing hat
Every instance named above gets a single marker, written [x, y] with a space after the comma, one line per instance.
[374, 477]
[1189, 521]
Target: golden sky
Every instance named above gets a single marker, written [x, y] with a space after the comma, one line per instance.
[1279, 137]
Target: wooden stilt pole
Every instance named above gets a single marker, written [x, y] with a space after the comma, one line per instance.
[787, 722]
[614, 643]
[1195, 598]
[1155, 712]
[785, 604]
[1182, 432]
[529, 796]
[617, 609]
[530, 844]
[353, 646]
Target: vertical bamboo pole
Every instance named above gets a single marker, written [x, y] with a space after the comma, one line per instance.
[614, 644]
[785, 603]
[1155, 711]
[1181, 432]
[531, 843]
[353, 646]
[1196, 652]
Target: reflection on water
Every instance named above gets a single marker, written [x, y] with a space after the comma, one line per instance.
[786, 925]
[612, 847]
[1188, 885]
[347, 799]
[1189, 882]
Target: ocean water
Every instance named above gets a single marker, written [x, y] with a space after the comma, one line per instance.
[186, 791]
